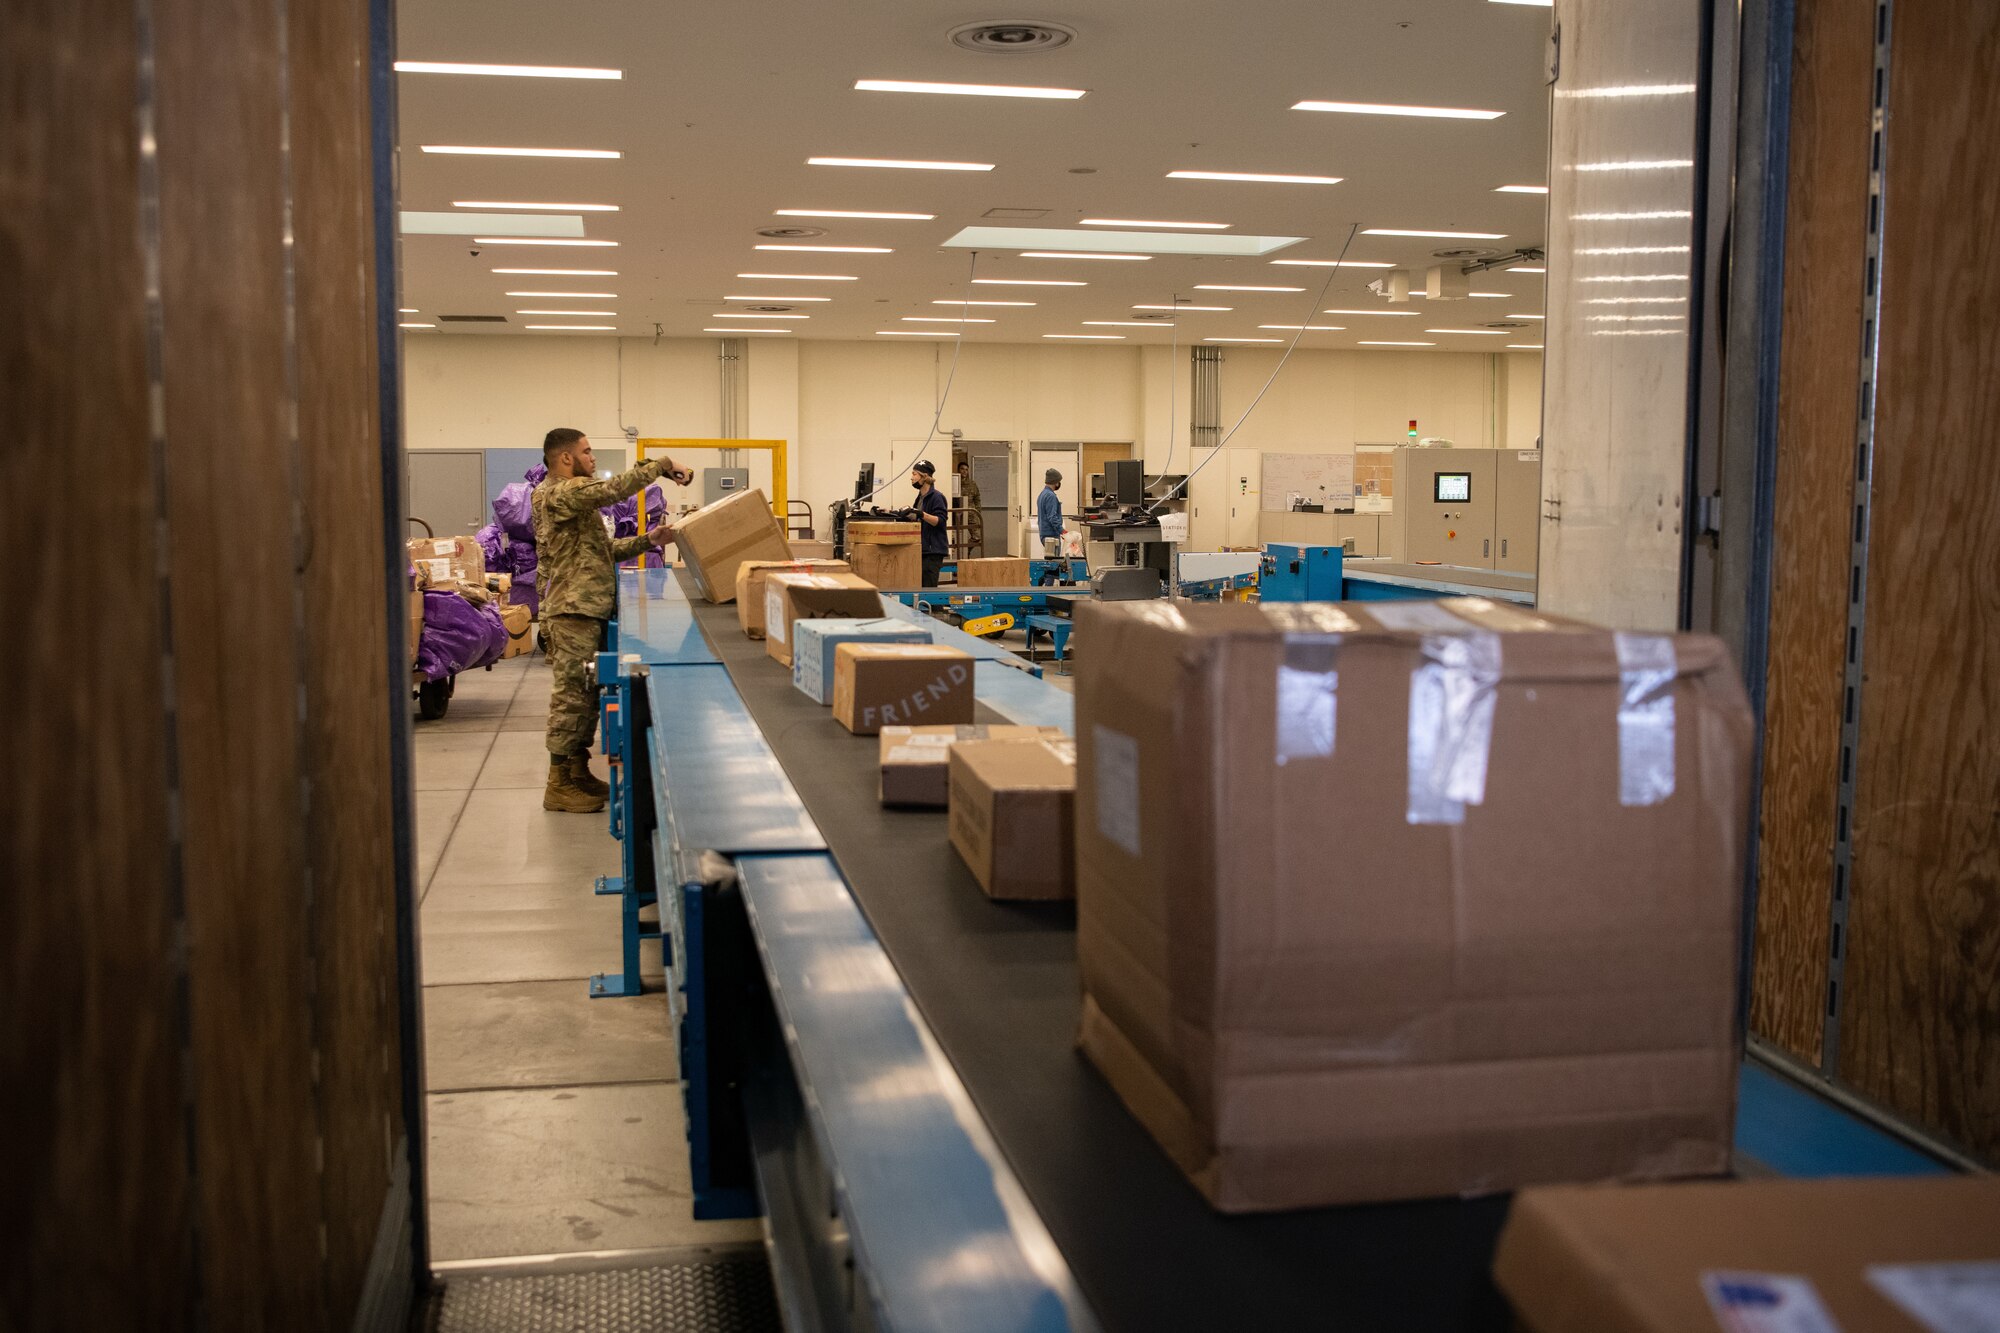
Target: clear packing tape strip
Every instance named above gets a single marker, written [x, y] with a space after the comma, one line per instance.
[1453, 693]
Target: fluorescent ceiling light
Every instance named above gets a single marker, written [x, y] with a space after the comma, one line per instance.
[1333, 263]
[1367, 342]
[1308, 328]
[1632, 319]
[1520, 189]
[898, 163]
[1088, 337]
[913, 333]
[586, 328]
[1536, 269]
[838, 213]
[1443, 235]
[1662, 165]
[581, 296]
[734, 330]
[1526, 317]
[966, 89]
[507, 71]
[538, 240]
[1652, 216]
[544, 208]
[1539, 4]
[834, 249]
[944, 319]
[407, 310]
[1214, 309]
[1631, 90]
[802, 277]
[1637, 333]
[1225, 287]
[986, 303]
[1242, 340]
[1639, 277]
[1490, 333]
[464, 151]
[1388, 109]
[1164, 226]
[1525, 347]
[1252, 176]
[731, 314]
[1368, 312]
[603, 314]
[1118, 242]
[1076, 254]
[504, 224]
[1028, 282]
[788, 300]
[416, 326]
[1127, 323]
[1492, 296]
[1634, 250]
[1637, 300]
[562, 272]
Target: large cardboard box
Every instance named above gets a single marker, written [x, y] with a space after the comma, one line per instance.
[806, 549]
[750, 576]
[1396, 900]
[448, 563]
[916, 761]
[879, 685]
[1013, 816]
[814, 642]
[416, 621]
[994, 572]
[790, 597]
[520, 631]
[888, 555]
[1874, 1255]
[716, 538]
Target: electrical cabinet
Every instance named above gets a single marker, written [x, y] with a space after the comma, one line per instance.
[1517, 509]
[1445, 507]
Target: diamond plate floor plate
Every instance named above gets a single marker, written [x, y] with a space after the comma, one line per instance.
[727, 1295]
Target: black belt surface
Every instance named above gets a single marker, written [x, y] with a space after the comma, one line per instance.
[997, 982]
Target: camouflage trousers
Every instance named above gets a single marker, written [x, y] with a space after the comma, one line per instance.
[572, 643]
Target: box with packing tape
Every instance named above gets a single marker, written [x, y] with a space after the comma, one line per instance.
[916, 761]
[1013, 816]
[520, 630]
[750, 577]
[888, 555]
[1881, 1255]
[993, 572]
[1397, 900]
[814, 642]
[792, 597]
[448, 562]
[879, 685]
[716, 538]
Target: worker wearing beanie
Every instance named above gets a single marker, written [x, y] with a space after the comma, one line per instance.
[1049, 515]
[932, 511]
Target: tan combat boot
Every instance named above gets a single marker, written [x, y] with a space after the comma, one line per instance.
[563, 794]
[579, 769]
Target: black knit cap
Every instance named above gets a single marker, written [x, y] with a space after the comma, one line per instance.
[925, 466]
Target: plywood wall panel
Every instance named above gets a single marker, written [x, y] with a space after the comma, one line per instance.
[1920, 1020]
[93, 1157]
[1820, 366]
[233, 563]
[350, 839]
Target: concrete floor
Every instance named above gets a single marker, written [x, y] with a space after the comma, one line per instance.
[555, 1120]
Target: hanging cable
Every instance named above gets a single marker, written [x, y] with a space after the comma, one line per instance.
[1216, 452]
[943, 398]
[1173, 389]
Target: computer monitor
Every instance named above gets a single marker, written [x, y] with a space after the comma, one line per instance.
[1452, 488]
[1125, 481]
[865, 483]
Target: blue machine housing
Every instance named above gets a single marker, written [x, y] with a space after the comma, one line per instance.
[1300, 574]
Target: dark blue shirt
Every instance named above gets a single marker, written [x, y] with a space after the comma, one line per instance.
[936, 540]
[1048, 513]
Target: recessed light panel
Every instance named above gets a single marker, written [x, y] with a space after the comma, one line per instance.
[913, 333]
[1492, 333]
[1252, 176]
[1307, 328]
[574, 296]
[1333, 263]
[834, 249]
[944, 319]
[1125, 242]
[801, 277]
[1520, 189]
[1370, 342]
[506, 71]
[1404, 313]
[1076, 254]
[1390, 109]
[562, 272]
[786, 300]
[574, 328]
[1088, 337]
[897, 163]
[734, 330]
[1226, 287]
[462, 150]
[1205, 309]
[838, 213]
[1440, 235]
[1163, 226]
[499, 206]
[538, 240]
[1242, 340]
[967, 89]
[730, 314]
[1022, 304]
[1028, 282]
[600, 314]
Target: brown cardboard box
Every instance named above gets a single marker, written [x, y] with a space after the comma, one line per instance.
[789, 597]
[883, 684]
[1642, 1260]
[1013, 816]
[1320, 973]
[416, 622]
[448, 562]
[520, 631]
[916, 761]
[993, 572]
[812, 550]
[888, 555]
[750, 576]
[716, 538]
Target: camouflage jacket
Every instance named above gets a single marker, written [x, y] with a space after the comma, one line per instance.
[576, 560]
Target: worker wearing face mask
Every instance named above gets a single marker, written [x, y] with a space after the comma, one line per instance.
[932, 510]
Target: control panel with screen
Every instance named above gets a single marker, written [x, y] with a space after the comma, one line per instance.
[1452, 487]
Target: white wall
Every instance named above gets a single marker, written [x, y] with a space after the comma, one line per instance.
[844, 403]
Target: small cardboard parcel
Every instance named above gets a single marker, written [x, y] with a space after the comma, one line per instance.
[790, 597]
[718, 537]
[916, 761]
[750, 577]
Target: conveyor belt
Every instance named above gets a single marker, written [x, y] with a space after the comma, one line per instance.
[997, 984]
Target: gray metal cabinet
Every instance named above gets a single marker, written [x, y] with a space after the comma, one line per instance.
[1517, 516]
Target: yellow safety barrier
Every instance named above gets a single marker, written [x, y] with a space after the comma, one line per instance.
[779, 497]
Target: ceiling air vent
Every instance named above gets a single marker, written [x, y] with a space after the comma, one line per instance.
[1506, 324]
[1466, 253]
[1008, 38]
[472, 319]
[768, 309]
[1018, 214]
[791, 233]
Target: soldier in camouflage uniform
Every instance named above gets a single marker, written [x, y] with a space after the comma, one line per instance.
[577, 565]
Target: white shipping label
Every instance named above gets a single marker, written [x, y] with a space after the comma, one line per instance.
[1944, 1298]
[912, 753]
[1766, 1303]
[930, 742]
[1306, 704]
[1418, 617]
[774, 613]
[1117, 787]
[437, 571]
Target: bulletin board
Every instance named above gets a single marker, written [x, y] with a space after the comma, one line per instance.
[1324, 479]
